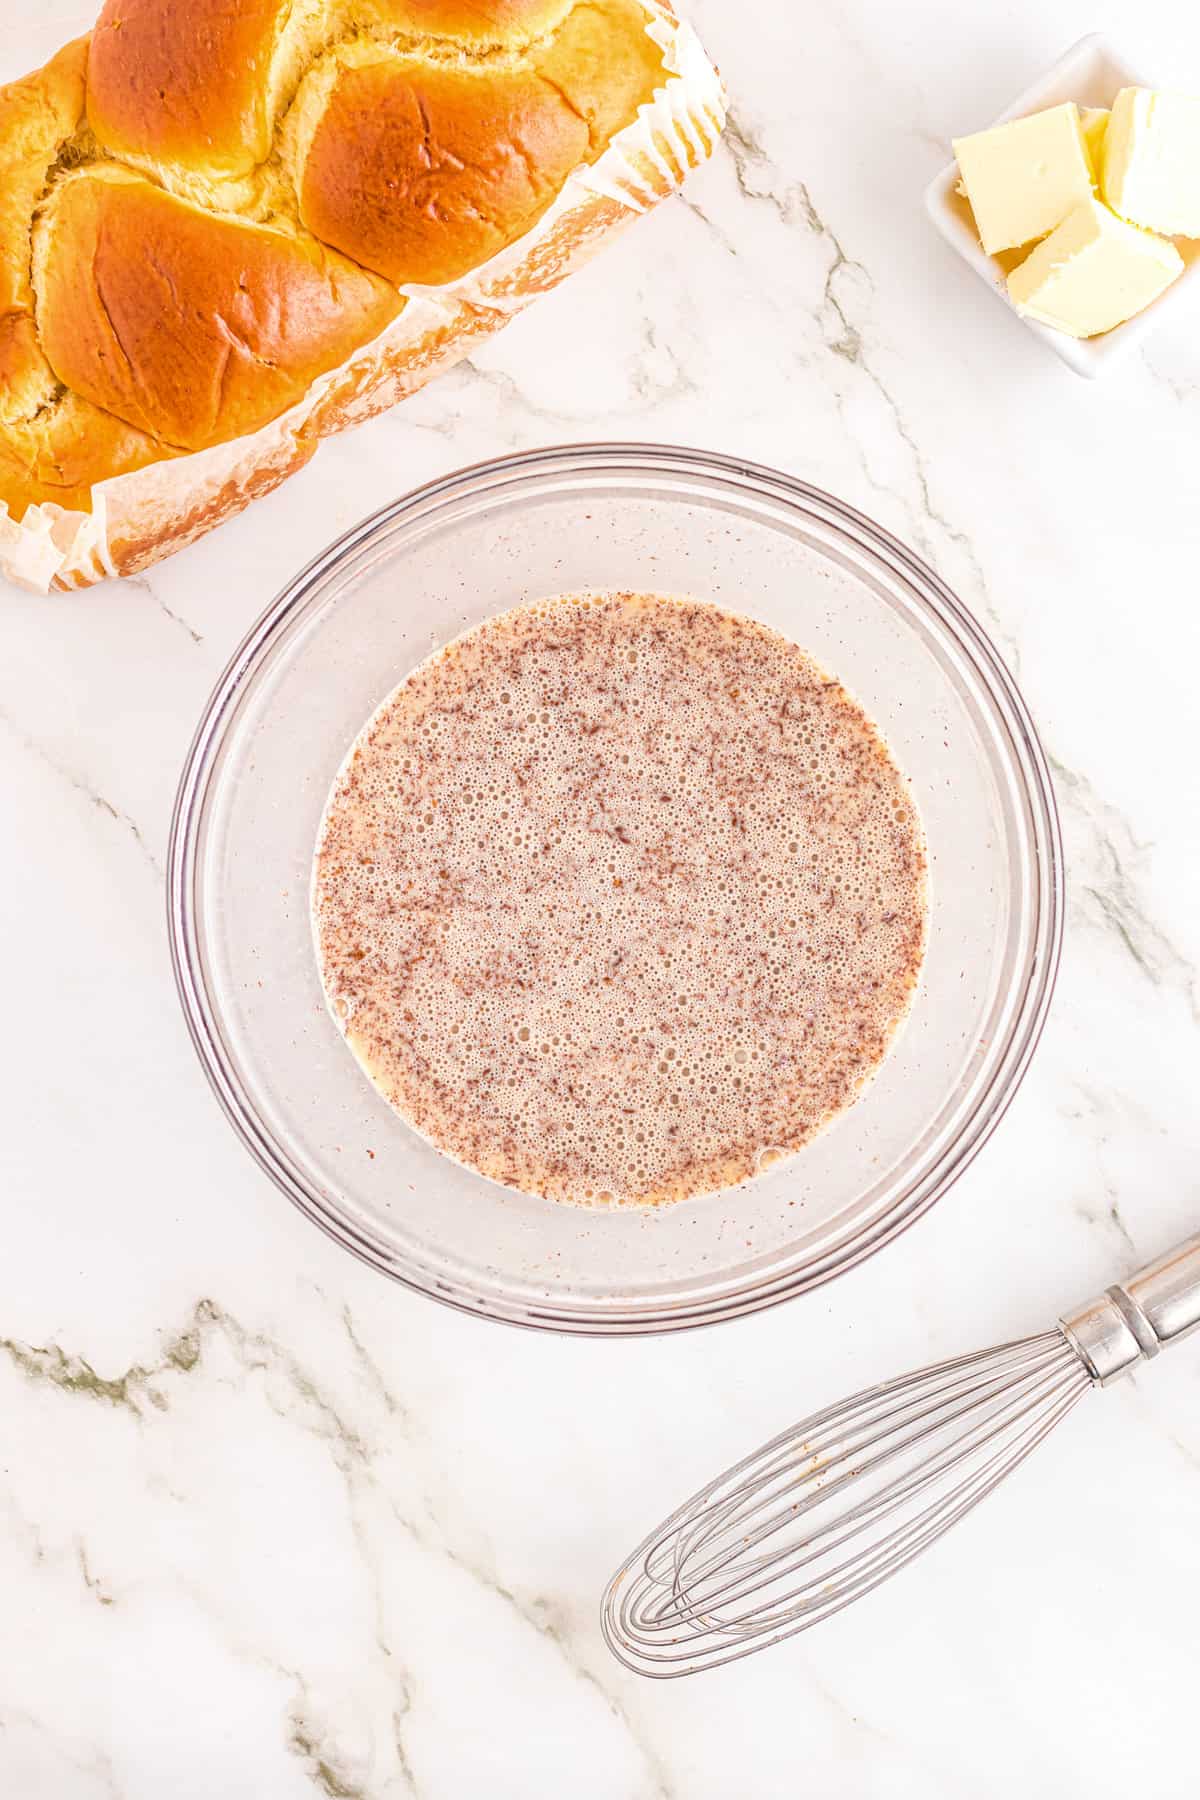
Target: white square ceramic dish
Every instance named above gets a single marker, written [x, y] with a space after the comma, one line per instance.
[1091, 72]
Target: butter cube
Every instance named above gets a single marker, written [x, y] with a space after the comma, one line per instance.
[1151, 172]
[1093, 272]
[1023, 178]
[1093, 122]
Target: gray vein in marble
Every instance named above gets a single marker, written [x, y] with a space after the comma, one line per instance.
[551, 1623]
[848, 1722]
[401, 1749]
[539, 1614]
[138, 1391]
[1108, 1215]
[92, 1582]
[140, 581]
[933, 140]
[370, 1367]
[652, 389]
[759, 179]
[303, 1404]
[1123, 1231]
[328, 1767]
[49, 1366]
[1190, 1456]
[511, 395]
[554, 1625]
[100, 1765]
[1180, 390]
[26, 1526]
[22, 1526]
[313, 1740]
[692, 205]
[1096, 1107]
[1105, 893]
[255, 1351]
[351, 1455]
[846, 341]
[80, 786]
[1149, 946]
[322, 1761]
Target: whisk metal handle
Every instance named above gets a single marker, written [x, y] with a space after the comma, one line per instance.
[1137, 1317]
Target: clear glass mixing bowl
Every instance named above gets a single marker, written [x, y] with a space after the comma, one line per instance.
[337, 640]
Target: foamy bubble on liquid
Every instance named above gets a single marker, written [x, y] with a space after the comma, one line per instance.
[619, 898]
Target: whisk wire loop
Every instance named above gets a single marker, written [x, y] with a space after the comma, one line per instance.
[959, 1399]
[836, 1505]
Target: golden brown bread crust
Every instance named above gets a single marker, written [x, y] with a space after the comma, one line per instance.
[422, 170]
[192, 84]
[480, 23]
[205, 221]
[186, 84]
[37, 116]
[53, 446]
[423, 173]
[191, 327]
[63, 451]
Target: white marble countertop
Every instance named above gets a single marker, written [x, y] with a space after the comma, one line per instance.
[270, 1528]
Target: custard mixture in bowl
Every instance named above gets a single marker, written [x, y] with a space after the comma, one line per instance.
[619, 898]
[662, 837]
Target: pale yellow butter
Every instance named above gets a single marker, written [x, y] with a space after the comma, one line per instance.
[1094, 271]
[1024, 177]
[1093, 122]
[1151, 164]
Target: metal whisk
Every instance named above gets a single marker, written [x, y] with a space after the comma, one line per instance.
[831, 1508]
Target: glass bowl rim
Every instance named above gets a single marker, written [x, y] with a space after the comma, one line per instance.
[1037, 978]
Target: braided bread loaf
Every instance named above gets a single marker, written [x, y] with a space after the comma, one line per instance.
[230, 227]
